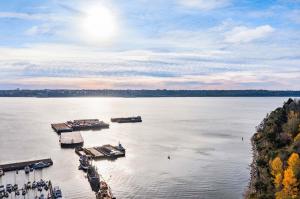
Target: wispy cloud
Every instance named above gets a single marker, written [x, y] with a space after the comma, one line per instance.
[204, 4]
[218, 44]
[242, 34]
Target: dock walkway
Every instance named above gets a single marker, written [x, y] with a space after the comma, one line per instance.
[22, 165]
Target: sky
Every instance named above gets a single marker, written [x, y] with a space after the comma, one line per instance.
[150, 44]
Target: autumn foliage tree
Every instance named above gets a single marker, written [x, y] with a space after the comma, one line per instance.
[289, 182]
[276, 170]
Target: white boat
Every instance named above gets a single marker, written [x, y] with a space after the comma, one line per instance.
[84, 162]
[1, 172]
[27, 169]
[57, 194]
[2, 189]
[120, 147]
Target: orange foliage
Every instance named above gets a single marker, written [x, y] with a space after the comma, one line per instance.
[278, 180]
[294, 163]
[290, 183]
[276, 166]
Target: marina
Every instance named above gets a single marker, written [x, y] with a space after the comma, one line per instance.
[78, 125]
[102, 152]
[41, 189]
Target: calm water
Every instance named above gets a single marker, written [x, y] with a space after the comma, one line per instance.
[203, 136]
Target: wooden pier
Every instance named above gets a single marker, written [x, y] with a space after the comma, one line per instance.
[22, 165]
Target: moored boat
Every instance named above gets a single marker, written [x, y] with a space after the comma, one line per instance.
[84, 162]
[57, 193]
[1, 172]
[27, 169]
[93, 178]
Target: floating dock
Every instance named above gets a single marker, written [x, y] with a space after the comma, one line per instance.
[22, 165]
[71, 139]
[127, 119]
[77, 125]
[61, 127]
[102, 152]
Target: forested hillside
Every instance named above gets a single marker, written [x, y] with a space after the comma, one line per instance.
[276, 166]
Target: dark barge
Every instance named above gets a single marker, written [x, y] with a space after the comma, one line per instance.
[70, 140]
[127, 119]
[22, 165]
[77, 125]
[102, 152]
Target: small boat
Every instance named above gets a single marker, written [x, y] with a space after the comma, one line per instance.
[23, 192]
[9, 188]
[28, 185]
[2, 189]
[42, 196]
[1, 172]
[46, 187]
[15, 187]
[57, 194]
[27, 169]
[17, 192]
[84, 162]
[40, 165]
[40, 189]
[6, 194]
[120, 147]
[34, 185]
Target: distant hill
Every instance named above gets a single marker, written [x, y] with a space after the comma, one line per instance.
[147, 93]
[276, 163]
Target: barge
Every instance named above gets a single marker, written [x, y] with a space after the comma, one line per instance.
[72, 139]
[36, 164]
[78, 125]
[127, 119]
[102, 152]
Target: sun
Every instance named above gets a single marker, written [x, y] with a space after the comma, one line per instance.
[98, 24]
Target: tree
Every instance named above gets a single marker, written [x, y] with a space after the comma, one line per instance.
[276, 166]
[297, 138]
[294, 163]
[290, 183]
[278, 180]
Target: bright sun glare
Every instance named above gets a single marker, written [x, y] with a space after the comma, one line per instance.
[98, 24]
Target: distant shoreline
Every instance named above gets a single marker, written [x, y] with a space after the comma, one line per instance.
[147, 93]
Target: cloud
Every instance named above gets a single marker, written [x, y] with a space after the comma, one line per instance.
[39, 30]
[243, 34]
[17, 15]
[205, 5]
[294, 16]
